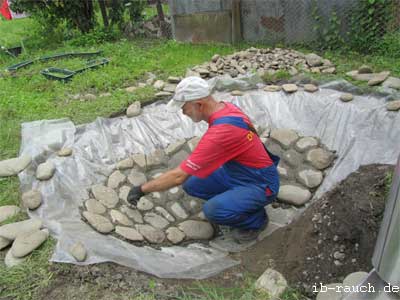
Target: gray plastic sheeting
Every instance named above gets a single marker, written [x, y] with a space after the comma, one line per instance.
[362, 132]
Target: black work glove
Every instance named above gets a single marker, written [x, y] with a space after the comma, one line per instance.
[134, 195]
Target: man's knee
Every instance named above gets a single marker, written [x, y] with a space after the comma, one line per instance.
[188, 186]
[210, 209]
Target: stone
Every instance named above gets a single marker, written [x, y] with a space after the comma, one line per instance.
[45, 170]
[4, 243]
[285, 137]
[12, 230]
[178, 211]
[192, 143]
[311, 88]
[202, 71]
[26, 242]
[134, 214]
[163, 212]
[354, 279]
[331, 292]
[105, 95]
[346, 97]
[201, 216]
[173, 79]
[360, 77]
[329, 70]
[136, 178]
[100, 223]
[197, 230]
[174, 193]
[32, 199]
[142, 85]
[125, 164]
[89, 97]
[339, 255]
[151, 234]
[139, 160]
[123, 193]
[192, 73]
[272, 282]
[283, 172]
[155, 220]
[174, 235]
[11, 261]
[306, 143]
[116, 179]
[272, 88]
[237, 93]
[174, 147]
[313, 60]
[392, 82]
[364, 69]
[163, 94]
[159, 85]
[215, 57]
[379, 78]
[8, 211]
[289, 88]
[144, 204]
[94, 206]
[177, 158]
[106, 195]
[130, 234]
[295, 195]
[170, 88]
[156, 159]
[64, 152]
[13, 166]
[319, 158]
[119, 218]
[293, 158]
[393, 105]
[310, 178]
[134, 109]
[78, 251]
[131, 89]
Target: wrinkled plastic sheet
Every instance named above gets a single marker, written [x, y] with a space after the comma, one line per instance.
[361, 132]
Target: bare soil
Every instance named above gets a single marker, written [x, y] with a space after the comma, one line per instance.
[345, 221]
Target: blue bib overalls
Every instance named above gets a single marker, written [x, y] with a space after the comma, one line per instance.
[236, 194]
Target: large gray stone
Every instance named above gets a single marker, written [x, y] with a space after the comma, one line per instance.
[64, 152]
[273, 283]
[26, 242]
[311, 88]
[119, 218]
[313, 60]
[319, 158]
[292, 158]
[100, 223]
[78, 251]
[310, 178]
[306, 143]
[94, 206]
[354, 279]
[13, 166]
[11, 261]
[134, 214]
[192, 143]
[32, 199]
[155, 220]
[177, 158]
[151, 234]
[125, 164]
[197, 230]
[289, 88]
[346, 97]
[360, 77]
[178, 211]
[136, 178]
[139, 160]
[12, 230]
[174, 147]
[106, 195]
[116, 179]
[285, 137]
[4, 243]
[159, 84]
[8, 211]
[272, 88]
[45, 170]
[134, 109]
[379, 78]
[129, 233]
[163, 212]
[174, 235]
[123, 193]
[365, 69]
[144, 204]
[294, 195]
[392, 82]
[156, 159]
[170, 88]
[393, 105]
[175, 193]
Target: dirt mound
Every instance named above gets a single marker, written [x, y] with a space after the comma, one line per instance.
[336, 236]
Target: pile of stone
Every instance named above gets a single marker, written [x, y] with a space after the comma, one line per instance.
[263, 61]
[150, 28]
[302, 166]
[169, 217]
[24, 236]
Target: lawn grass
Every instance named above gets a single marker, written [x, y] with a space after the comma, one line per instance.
[27, 96]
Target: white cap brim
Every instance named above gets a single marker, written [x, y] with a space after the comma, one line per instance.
[176, 105]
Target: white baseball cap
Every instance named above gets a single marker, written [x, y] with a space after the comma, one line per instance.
[189, 89]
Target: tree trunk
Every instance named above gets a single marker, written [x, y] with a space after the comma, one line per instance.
[160, 11]
[103, 10]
